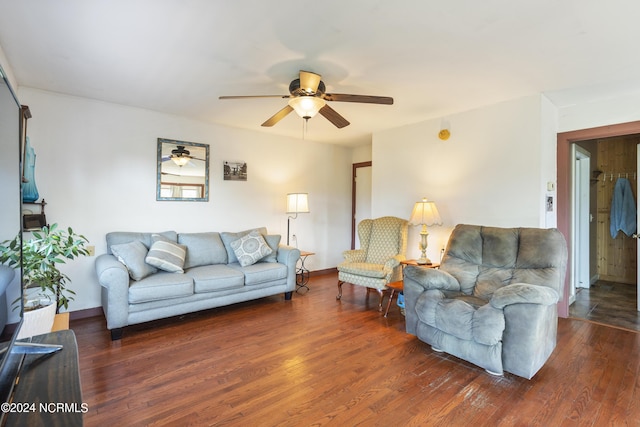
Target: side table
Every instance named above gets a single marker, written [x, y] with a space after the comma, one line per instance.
[394, 287]
[415, 263]
[398, 287]
[50, 384]
[302, 273]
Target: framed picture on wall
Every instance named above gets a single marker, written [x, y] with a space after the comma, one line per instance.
[234, 171]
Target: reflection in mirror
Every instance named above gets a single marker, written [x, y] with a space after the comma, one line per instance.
[183, 171]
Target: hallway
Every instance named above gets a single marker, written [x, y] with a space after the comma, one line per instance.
[608, 303]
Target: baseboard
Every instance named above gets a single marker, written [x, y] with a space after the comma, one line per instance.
[87, 312]
[73, 315]
[594, 279]
[333, 270]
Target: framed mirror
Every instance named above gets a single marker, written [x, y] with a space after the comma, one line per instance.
[183, 171]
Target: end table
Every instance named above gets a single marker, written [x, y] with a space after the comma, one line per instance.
[302, 273]
[398, 287]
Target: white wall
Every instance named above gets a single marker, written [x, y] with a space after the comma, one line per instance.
[603, 112]
[96, 168]
[361, 154]
[492, 171]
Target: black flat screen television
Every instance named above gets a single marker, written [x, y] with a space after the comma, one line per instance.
[12, 351]
[10, 220]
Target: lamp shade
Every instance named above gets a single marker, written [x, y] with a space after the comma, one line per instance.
[425, 213]
[306, 106]
[297, 203]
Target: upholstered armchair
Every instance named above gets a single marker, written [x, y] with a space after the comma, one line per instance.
[383, 244]
[493, 302]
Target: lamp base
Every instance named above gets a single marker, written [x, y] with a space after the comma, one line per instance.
[423, 261]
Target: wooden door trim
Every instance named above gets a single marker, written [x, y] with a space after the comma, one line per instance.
[563, 159]
[354, 173]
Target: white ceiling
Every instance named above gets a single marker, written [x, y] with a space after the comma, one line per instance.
[433, 57]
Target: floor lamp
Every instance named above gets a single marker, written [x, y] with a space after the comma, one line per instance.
[425, 213]
[296, 203]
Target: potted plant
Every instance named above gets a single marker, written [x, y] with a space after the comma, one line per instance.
[40, 257]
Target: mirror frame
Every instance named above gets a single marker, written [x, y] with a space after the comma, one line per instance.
[164, 143]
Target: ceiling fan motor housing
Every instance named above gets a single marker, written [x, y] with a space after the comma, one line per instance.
[295, 90]
[180, 151]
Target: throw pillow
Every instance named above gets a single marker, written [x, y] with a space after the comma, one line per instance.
[228, 237]
[250, 248]
[132, 255]
[166, 255]
[273, 240]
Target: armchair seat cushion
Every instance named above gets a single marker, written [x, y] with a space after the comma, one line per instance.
[366, 269]
[463, 316]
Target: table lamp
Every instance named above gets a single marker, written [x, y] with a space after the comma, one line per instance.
[425, 213]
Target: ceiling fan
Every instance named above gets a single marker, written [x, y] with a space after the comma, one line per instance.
[308, 97]
[180, 156]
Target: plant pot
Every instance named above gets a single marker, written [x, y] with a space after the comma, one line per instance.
[38, 321]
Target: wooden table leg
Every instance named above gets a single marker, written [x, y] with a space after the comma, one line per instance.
[393, 291]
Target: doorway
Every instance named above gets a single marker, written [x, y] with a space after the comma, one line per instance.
[613, 271]
[360, 198]
[581, 220]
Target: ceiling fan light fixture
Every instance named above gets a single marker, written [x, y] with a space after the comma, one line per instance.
[306, 106]
[180, 160]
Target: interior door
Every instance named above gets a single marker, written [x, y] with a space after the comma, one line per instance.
[581, 220]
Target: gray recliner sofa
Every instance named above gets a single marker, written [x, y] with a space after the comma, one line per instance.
[493, 302]
[210, 274]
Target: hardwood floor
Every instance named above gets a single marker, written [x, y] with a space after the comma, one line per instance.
[609, 303]
[318, 361]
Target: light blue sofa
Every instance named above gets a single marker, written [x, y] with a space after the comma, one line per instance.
[134, 292]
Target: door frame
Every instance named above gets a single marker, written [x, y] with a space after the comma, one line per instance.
[564, 160]
[354, 174]
[581, 211]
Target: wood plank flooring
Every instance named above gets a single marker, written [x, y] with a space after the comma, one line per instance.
[318, 361]
[609, 303]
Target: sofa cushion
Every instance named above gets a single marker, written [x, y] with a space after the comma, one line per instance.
[273, 240]
[132, 255]
[227, 238]
[119, 237]
[159, 286]
[203, 249]
[250, 248]
[261, 272]
[166, 255]
[217, 277]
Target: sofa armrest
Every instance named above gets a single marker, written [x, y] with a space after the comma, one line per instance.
[114, 278]
[393, 262]
[531, 323]
[354, 255]
[110, 271]
[523, 293]
[289, 256]
[431, 278]
[418, 281]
